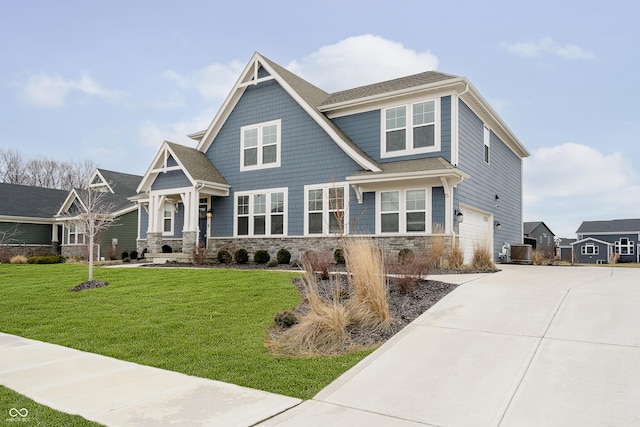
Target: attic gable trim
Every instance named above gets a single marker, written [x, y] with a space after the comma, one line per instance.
[591, 239]
[102, 178]
[153, 171]
[258, 61]
[68, 202]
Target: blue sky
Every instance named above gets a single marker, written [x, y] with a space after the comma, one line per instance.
[110, 81]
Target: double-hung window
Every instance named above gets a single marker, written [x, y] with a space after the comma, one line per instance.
[260, 146]
[261, 213]
[410, 129]
[487, 145]
[76, 236]
[403, 211]
[326, 209]
[168, 215]
[624, 246]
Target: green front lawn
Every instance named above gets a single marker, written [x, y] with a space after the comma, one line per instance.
[210, 323]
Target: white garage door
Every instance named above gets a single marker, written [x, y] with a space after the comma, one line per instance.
[475, 230]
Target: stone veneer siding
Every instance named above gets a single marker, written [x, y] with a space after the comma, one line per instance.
[9, 251]
[298, 245]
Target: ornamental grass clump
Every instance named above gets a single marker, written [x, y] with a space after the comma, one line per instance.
[482, 258]
[455, 260]
[369, 304]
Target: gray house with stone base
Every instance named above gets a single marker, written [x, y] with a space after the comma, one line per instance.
[27, 223]
[285, 164]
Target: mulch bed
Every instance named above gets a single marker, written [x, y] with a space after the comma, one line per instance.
[90, 284]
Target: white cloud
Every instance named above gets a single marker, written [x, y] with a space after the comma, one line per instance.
[570, 183]
[212, 82]
[152, 134]
[43, 90]
[548, 46]
[361, 60]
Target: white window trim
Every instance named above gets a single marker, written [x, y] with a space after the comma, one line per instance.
[325, 208]
[259, 127]
[486, 149]
[172, 210]
[629, 245]
[409, 130]
[77, 232]
[403, 212]
[595, 248]
[251, 194]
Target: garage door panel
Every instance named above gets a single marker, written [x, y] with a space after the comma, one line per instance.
[475, 231]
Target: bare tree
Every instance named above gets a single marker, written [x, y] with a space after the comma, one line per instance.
[39, 171]
[90, 214]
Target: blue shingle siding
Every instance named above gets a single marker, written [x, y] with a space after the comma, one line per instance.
[308, 155]
[364, 129]
[502, 177]
[438, 207]
[602, 256]
[171, 179]
[171, 161]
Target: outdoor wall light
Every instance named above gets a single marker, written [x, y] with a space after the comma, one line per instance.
[209, 214]
[459, 215]
[498, 226]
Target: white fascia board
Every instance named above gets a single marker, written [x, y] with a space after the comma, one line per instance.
[27, 220]
[213, 188]
[104, 181]
[144, 184]
[227, 106]
[592, 239]
[71, 197]
[124, 211]
[504, 132]
[197, 136]
[381, 97]
[443, 173]
[153, 170]
[610, 233]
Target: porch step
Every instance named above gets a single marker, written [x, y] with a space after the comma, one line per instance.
[163, 258]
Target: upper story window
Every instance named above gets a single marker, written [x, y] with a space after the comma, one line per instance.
[260, 146]
[261, 213]
[487, 146]
[624, 246]
[410, 129]
[326, 209]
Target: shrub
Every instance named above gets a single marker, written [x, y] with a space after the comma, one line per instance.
[456, 257]
[272, 263]
[124, 255]
[166, 249]
[338, 256]
[408, 272]
[241, 256]
[405, 255]
[261, 256]
[126, 260]
[286, 319]
[283, 256]
[317, 261]
[144, 252]
[46, 259]
[482, 258]
[133, 255]
[18, 259]
[224, 256]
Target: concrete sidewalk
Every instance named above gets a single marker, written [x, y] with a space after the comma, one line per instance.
[529, 346]
[118, 393]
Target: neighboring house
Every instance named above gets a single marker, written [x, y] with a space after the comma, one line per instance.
[565, 250]
[121, 236]
[598, 241]
[285, 164]
[540, 237]
[27, 224]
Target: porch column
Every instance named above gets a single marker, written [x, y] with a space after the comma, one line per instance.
[448, 206]
[190, 230]
[156, 210]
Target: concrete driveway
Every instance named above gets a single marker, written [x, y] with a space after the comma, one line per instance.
[529, 346]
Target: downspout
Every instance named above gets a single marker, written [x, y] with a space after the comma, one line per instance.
[454, 137]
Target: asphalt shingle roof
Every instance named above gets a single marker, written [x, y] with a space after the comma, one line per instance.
[31, 202]
[197, 164]
[610, 226]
